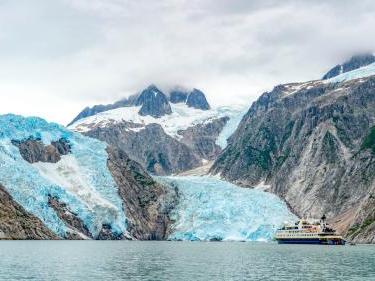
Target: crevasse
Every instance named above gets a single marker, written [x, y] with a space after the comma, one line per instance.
[96, 203]
[212, 209]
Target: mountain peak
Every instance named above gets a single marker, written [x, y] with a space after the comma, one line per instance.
[154, 102]
[198, 100]
[353, 63]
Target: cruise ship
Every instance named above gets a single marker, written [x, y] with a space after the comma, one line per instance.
[309, 231]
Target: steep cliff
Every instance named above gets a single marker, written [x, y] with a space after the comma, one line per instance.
[18, 224]
[147, 203]
[312, 144]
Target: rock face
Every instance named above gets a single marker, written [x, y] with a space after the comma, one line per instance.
[159, 153]
[156, 151]
[177, 96]
[16, 223]
[197, 100]
[147, 203]
[312, 144]
[354, 63]
[202, 138]
[33, 150]
[153, 102]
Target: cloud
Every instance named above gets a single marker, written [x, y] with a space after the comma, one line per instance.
[60, 56]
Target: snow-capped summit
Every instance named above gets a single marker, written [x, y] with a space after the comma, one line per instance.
[153, 102]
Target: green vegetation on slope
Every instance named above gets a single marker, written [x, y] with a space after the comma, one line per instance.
[369, 141]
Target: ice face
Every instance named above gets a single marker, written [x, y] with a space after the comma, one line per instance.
[212, 209]
[234, 120]
[81, 179]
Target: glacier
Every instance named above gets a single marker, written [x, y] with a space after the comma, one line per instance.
[361, 72]
[235, 117]
[211, 209]
[81, 179]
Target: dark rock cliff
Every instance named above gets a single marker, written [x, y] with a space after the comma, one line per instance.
[157, 152]
[147, 203]
[312, 143]
[153, 102]
[33, 150]
[16, 223]
[197, 100]
[202, 138]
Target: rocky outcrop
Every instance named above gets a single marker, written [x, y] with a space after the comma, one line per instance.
[178, 96]
[157, 152]
[76, 228]
[147, 203]
[34, 150]
[153, 102]
[201, 138]
[354, 63]
[197, 99]
[311, 143]
[90, 111]
[17, 224]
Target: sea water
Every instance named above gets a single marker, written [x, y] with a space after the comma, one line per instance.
[132, 260]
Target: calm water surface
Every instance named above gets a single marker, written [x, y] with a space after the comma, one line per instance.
[120, 260]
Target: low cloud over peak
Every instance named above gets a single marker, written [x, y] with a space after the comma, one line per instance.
[59, 56]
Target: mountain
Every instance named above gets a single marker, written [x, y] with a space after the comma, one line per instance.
[313, 145]
[353, 63]
[165, 133]
[156, 102]
[55, 183]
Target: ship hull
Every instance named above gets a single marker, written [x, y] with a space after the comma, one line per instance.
[315, 241]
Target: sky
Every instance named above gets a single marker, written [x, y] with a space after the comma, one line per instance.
[59, 56]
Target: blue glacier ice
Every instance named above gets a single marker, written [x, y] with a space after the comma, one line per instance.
[96, 203]
[230, 127]
[361, 72]
[212, 209]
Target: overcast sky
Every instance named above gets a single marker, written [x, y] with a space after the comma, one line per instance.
[58, 56]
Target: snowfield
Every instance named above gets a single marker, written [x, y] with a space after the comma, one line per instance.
[182, 117]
